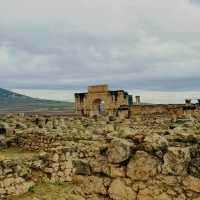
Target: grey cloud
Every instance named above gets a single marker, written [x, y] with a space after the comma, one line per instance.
[135, 45]
[196, 2]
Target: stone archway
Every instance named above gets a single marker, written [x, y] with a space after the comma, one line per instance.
[98, 107]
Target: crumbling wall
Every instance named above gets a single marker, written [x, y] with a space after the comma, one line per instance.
[153, 109]
[15, 178]
[112, 100]
[142, 168]
[196, 113]
[118, 159]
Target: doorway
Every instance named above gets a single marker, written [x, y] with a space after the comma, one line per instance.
[98, 107]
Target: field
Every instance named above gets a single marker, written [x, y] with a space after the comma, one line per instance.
[13, 102]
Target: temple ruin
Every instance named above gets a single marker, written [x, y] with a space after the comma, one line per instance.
[100, 100]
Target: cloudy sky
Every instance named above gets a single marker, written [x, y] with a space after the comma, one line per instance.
[148, 46]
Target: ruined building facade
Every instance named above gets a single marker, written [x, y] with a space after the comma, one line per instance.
[100, 100]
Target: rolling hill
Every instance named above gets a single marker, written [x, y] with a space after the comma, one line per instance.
[14, 102]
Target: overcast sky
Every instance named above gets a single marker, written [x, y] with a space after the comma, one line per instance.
[131, 44]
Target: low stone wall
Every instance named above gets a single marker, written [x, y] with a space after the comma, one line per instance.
[171, 110]
[82, 143]
[148, 167]
[15, 178]
[125, 170]
[153, 109]
[111, 159]
[196, 113]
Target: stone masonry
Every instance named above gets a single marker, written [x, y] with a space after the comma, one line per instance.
[152, 157]
[99, 99]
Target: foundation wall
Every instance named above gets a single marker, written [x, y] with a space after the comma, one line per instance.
[171, 109]
[110, 159]
[14, 178]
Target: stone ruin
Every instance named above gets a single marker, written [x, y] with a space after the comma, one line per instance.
[148, 157]
[100, 100]
[112, 150]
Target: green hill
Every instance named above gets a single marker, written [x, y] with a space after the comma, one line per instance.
[14, 102]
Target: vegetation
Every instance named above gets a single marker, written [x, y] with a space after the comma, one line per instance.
[47, 191]
[10, 102]
[16, 154]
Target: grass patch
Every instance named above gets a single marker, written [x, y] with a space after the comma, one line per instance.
[47, 191]
[16, 154]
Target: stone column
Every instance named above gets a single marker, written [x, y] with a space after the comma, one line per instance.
[138, 101]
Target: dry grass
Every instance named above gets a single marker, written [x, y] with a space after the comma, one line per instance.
[47, 191]
[16, 153]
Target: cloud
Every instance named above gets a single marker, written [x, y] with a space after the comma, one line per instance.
[196, 2]
[141, 44]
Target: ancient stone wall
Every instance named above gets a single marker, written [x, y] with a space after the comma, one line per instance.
[196, 113]
[106, 158]
[153, 109]
[172, 111]
[15, 178]
[89, 103]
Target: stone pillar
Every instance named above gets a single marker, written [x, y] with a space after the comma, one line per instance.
[188, 102]
[188, 110]
[138, 101]
[77, 104]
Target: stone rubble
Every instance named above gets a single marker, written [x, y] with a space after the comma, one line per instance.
[156, 158]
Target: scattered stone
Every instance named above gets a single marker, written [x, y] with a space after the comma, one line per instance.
[119, 191]
[81, 167]
[176, 161]
[142, 166]
[192, 183]
[74, 197]
[119, 151]
[20, 125]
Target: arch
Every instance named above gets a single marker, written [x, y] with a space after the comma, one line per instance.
[98, 107]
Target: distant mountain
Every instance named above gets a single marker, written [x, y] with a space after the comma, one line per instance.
[11, 101]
